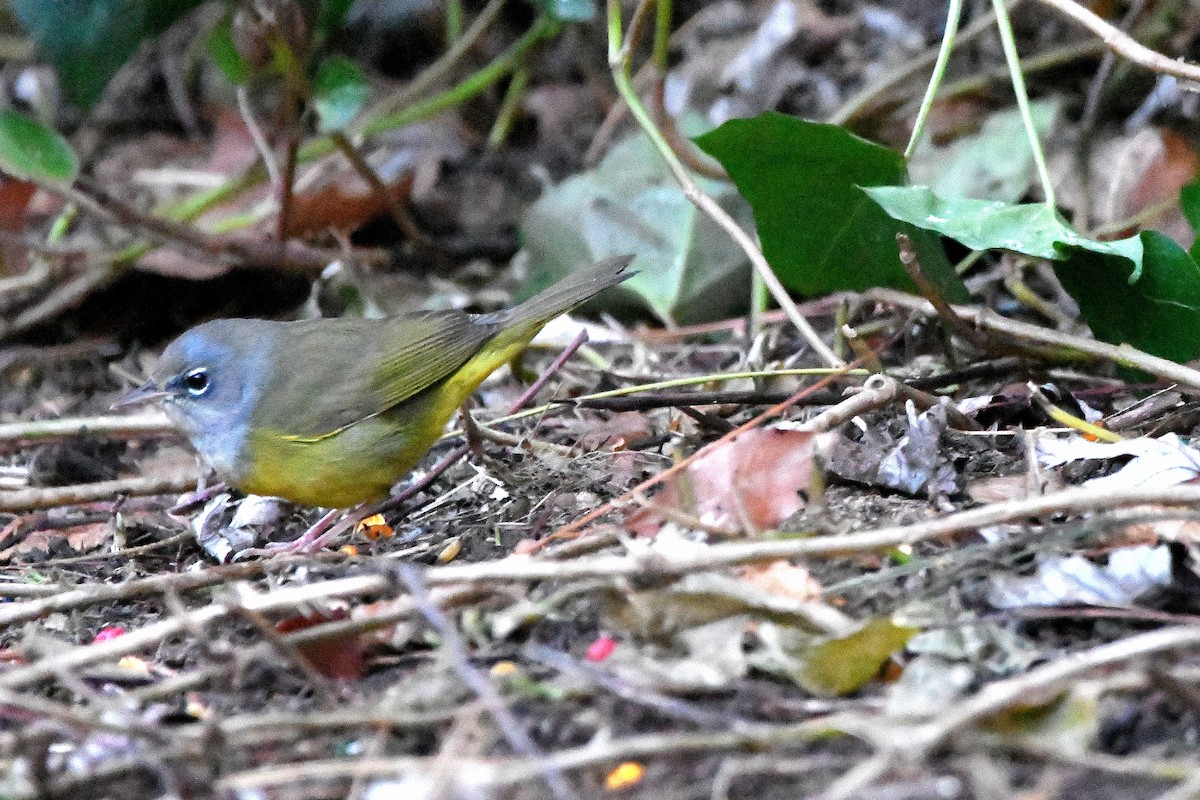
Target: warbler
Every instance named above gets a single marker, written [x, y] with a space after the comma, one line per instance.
[332, 412]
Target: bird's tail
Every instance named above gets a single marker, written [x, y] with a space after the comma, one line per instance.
[569, 292]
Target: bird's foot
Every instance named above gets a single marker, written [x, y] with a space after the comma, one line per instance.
[313, 540]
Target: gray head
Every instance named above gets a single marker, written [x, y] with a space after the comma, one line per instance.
[209, 380]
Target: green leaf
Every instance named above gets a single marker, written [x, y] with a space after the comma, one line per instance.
[688, 269]
[1143, 291]
[567, 10]
[841, 666]
[333, 15]
[89, 40]
[31, 151]
[1189, 202]
[1159, 312]
[996, 162]
[818, 230]
[339, 91]
[1034, 229]
[829, 666]
[224, 54]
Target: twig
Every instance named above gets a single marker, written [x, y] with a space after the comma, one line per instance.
[97, 593]
[916, 273]
[319, 683]
[1045, 60]
[999, 695]
[62, 298]
[27, 499]
[15, 435]
[510, 727]
[269, 162]
[1124, 44]
[1077, 501]
[154, 633]
[1123, 355]
[290, 255]
[822, 419]
[579, 341]
[674, 399]
[391, 202]
[508, 772]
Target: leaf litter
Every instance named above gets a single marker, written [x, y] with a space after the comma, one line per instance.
[737, 606]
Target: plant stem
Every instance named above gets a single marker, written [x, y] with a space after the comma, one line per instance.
[509, 108]
[471, 87]
[953, 15]
[192, 207]
[619, 62]
[1004, 26]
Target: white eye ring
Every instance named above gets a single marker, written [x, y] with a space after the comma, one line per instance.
[196, 382]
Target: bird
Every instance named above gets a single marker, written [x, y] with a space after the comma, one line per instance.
[333, 412]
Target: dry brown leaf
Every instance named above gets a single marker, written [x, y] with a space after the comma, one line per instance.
[750, 483]
[783, 578]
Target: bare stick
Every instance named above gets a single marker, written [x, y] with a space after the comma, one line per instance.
[510, 727]
[999, 695]
[27, 499]
[14, 435]
[1124, 44]
[1076, 501]
[1123, 355]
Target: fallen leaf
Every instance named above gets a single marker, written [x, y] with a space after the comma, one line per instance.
[750, 483]
[783, 578]
[341, 658]
[830, 667]
[1130, 573]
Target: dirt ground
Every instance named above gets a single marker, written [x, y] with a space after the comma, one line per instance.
[695, 563]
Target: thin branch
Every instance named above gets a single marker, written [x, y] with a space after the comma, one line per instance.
[53, 497]
[510, 727]
[1123, 355]
[999, 695]
[574, 527]
[14, 435]
[1124, 44]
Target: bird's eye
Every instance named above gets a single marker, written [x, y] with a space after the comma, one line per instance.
[196, 382]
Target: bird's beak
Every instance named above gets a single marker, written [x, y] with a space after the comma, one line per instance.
[143, 394]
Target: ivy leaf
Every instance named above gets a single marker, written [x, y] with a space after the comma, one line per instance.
[339, 91]
[688, 269]
[32, 151]
[1143, 290]
[820, 233]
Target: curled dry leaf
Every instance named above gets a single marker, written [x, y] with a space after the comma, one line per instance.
[1131, 573]
[914, 464]
[782, 578]
[751, 483]
[341, 658]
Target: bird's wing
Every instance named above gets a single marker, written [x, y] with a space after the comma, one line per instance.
[347, 370]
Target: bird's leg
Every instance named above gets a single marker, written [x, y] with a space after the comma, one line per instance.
[328, 527]
[471, 432]
[326, 530]
[311, 541]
